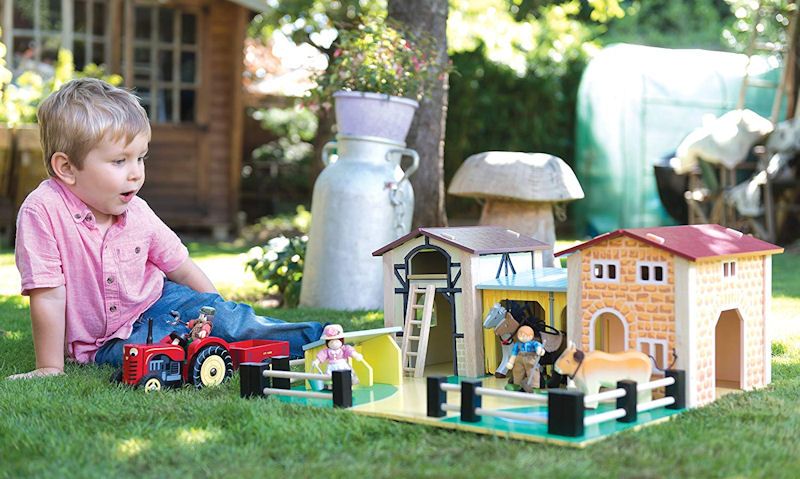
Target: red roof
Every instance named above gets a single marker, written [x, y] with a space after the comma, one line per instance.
[692, 242]
[474, 239]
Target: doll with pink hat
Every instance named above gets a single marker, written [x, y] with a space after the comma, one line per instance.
[336, 353]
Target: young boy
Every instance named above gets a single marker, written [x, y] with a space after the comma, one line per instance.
[93, 256]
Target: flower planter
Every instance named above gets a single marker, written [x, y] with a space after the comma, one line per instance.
[374, 114]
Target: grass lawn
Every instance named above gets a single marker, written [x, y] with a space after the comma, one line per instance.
[79, 425]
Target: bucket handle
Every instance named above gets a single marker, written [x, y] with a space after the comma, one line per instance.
[326, 151]
[405, 152]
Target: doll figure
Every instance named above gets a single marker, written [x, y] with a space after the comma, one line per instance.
[200, 328]
[524, 360]
[336, 353]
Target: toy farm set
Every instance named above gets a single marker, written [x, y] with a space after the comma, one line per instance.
[479, 336]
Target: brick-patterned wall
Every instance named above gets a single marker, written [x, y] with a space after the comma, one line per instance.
[648, 309]
[715, 295]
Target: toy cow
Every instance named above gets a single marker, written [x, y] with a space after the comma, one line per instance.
[597, 368]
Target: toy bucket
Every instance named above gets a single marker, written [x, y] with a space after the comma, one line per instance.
[317, 384]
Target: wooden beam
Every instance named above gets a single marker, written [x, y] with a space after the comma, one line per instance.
[237, 122]
[115, 18]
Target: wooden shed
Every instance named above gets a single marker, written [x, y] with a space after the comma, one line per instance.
[184, 58]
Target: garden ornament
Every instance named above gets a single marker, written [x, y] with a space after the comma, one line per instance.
[519, 190]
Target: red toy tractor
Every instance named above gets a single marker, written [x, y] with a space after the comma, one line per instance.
[203, 362]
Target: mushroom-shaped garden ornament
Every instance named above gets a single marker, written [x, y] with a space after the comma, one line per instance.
[519, 190]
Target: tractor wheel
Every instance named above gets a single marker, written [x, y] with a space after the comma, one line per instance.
[151, 382]
[211, 366]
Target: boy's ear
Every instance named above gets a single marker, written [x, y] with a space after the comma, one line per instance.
[64, 170]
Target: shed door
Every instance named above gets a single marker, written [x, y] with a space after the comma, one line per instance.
[162, 53]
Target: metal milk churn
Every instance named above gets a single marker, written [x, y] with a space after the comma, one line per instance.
[361, 201]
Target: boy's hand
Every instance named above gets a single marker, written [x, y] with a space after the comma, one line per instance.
[37, 373]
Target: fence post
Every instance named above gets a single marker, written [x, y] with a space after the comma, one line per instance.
[436, 397]
[629, 401]
[281, 363]
[252, 380]
[565, 408]
[677, 390]
[470, 401]
[342, 388]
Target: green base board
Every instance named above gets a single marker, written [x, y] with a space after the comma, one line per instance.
[591, 433]
[523, 430]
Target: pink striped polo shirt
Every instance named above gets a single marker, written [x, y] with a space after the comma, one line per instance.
[109, 281]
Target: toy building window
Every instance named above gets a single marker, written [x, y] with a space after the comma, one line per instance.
[428, 264]
[729, 269]
[651, 273]
[605, 271]
[656, 349]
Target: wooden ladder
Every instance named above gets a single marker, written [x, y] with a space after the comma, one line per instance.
[417, 366]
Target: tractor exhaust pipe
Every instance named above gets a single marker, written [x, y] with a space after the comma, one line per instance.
[150, 331]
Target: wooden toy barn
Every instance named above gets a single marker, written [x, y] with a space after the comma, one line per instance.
[455, 261]
[695, 298]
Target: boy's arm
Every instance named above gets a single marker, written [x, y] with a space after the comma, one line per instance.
[48, 317]
[191, 275]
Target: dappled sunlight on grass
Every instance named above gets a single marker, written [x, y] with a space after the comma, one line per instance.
[130, 448]
[227, 273]
[194, 436]
[11, 335]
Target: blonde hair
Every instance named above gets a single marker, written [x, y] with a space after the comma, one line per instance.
[84, 112]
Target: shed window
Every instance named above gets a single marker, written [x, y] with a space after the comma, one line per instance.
[34, 31]
[165, 63]
[605, 271]
[91, 33]
[651, 273]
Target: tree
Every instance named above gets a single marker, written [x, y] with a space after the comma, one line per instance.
[428, 17]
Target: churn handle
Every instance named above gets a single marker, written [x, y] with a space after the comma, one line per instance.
[405, 152]
[326, 151]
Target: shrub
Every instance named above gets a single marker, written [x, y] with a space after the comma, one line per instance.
[274, 226]
[279, 264]
[22, 96]
[779, 349]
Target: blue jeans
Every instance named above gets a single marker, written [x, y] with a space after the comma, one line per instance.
[232, 322]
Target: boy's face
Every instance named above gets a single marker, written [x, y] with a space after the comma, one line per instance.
[112, 174]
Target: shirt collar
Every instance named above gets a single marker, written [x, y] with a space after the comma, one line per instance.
[78, 210]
